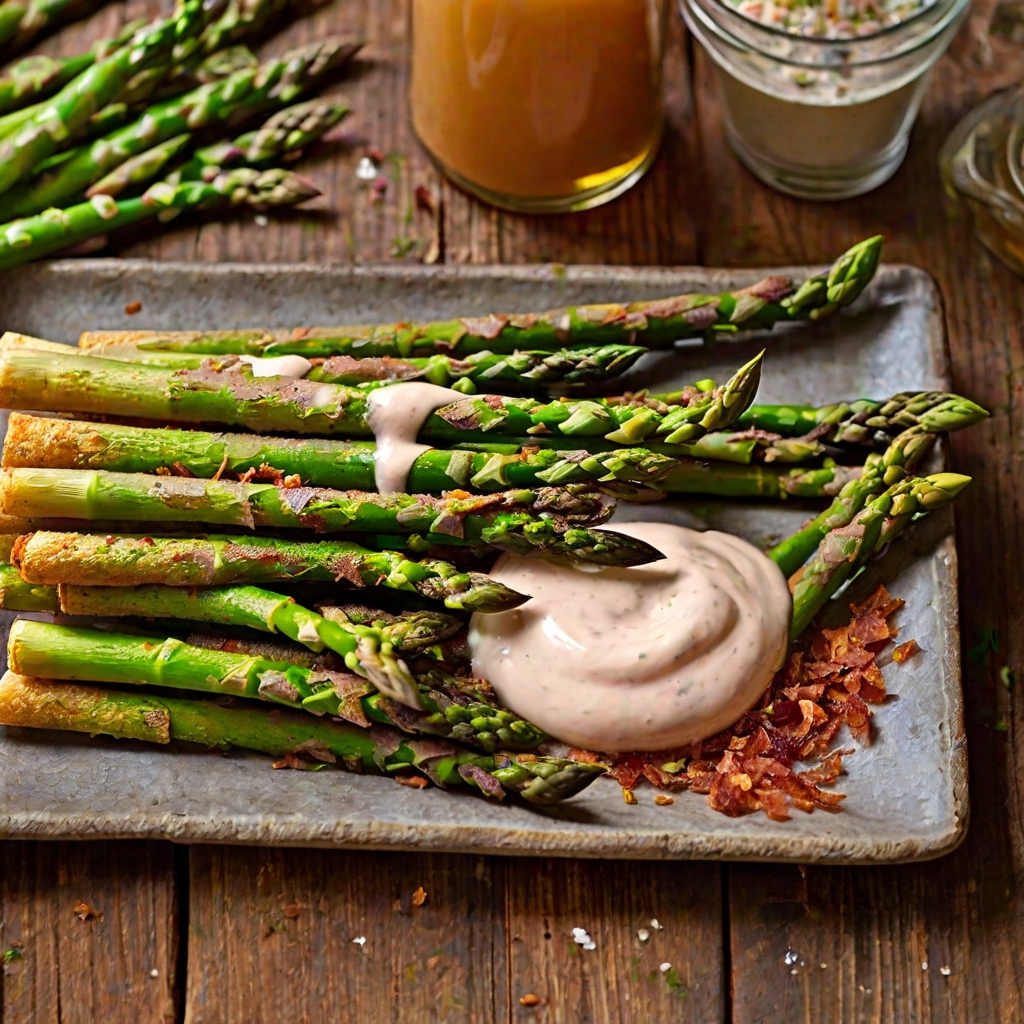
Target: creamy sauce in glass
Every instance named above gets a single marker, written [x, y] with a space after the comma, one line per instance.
[647, 658]
[397, 414]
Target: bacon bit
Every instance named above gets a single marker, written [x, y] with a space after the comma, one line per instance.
[905, 651]
[419, 897]
[292, 481]
[412, 781]
[223, 466]
[289, 761]
[425, 199]
[177, 469]
[663, 800]
[132, 308]
[86, 913]
[376, 154]
[629, 796]
[162, 471]
[292, 910]
[530, 999]
[829, 681]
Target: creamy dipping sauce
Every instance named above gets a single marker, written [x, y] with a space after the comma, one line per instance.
[648, 658]
[397, 413]
[278, 366]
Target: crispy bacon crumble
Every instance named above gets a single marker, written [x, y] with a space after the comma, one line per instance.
[829, 680]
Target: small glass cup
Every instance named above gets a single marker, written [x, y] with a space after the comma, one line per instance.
[816, 117]
[539, 106]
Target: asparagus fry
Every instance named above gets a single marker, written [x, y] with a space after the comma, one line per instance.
[111, 561]
[656, 324]
[546, 520]
[45, 704]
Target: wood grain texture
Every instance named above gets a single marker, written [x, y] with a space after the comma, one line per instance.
[120, 965]
[271, 938]
[875, 928]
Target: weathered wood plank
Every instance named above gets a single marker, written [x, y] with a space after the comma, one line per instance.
[875, 928]
[77, 968]
[271, 937]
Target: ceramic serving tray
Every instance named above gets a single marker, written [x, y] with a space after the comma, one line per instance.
[906, 793]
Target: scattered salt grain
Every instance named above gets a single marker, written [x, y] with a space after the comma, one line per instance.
[261, 220]
[665, 968]
[154, 973]
[366, 169]
[643, 934]
[945, 971]
[790, 958]
[581, 938]
[924, 965]
[823, 966]
[654, 924]
[359, 940]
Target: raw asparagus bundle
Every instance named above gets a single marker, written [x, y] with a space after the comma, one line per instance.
[349, 465]
[845, 550]
[36, 77]
[54, 230]
[72, 107]
[119, 561]
[651, 324]
[236, 397]
[552, 520]
[45, 704]
[252, 91]
[280, 140]
[23, 21]
[67, 652]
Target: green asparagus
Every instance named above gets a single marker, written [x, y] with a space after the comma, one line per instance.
[46, 704]
[72, 107]
[119, 561]
[31, 239]
[23, 21]
[845, 550]
[18, 596]
[236, 397]
[653, 324]
[549, 520]
[248, 92]
[66, 652]
[903, 456]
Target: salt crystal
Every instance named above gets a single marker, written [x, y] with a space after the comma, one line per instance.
[665, 967]
[643, 934]
[154, 973]
[261, 220]
[581, 938]
[790, 958]
[823, 966]
[945, 971]
[366, 170]
[359, 940]
[590, 945]
[924, 965]
[654, 924]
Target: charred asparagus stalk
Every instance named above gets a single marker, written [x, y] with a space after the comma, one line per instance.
[546, 520]
[112, 561]
[655, 324]
[845, 550]
[45, 704]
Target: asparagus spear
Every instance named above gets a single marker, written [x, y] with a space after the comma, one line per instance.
[31, 239]
[544, 520]
[112, 561]
[18, 596]
[528, 373]
[72, 107]
[653, 324]
[844, 551]
[36, 77]
[248, 92]
[905, 453]
[23, 21]
[270, 144]
[866, 422]
[236, 397]
[68, 444]
[45, 704]
[66, 652]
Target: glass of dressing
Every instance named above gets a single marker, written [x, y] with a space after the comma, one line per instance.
[820, 97]
[539, 106]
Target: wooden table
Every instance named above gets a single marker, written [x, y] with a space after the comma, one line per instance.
[250, 935]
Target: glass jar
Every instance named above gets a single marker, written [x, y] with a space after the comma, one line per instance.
[817, 117]
[539, 106]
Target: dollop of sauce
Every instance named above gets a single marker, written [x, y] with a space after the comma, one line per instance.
[396, 416]
[647, 658]
[278, 366]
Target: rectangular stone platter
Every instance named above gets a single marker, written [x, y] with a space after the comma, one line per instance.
[906, 793]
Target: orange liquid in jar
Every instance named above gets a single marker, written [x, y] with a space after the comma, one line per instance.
[538, 99]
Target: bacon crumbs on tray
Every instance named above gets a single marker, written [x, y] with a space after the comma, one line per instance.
[830, 679]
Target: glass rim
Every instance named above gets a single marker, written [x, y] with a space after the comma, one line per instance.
[697, 9]
[888, 30]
